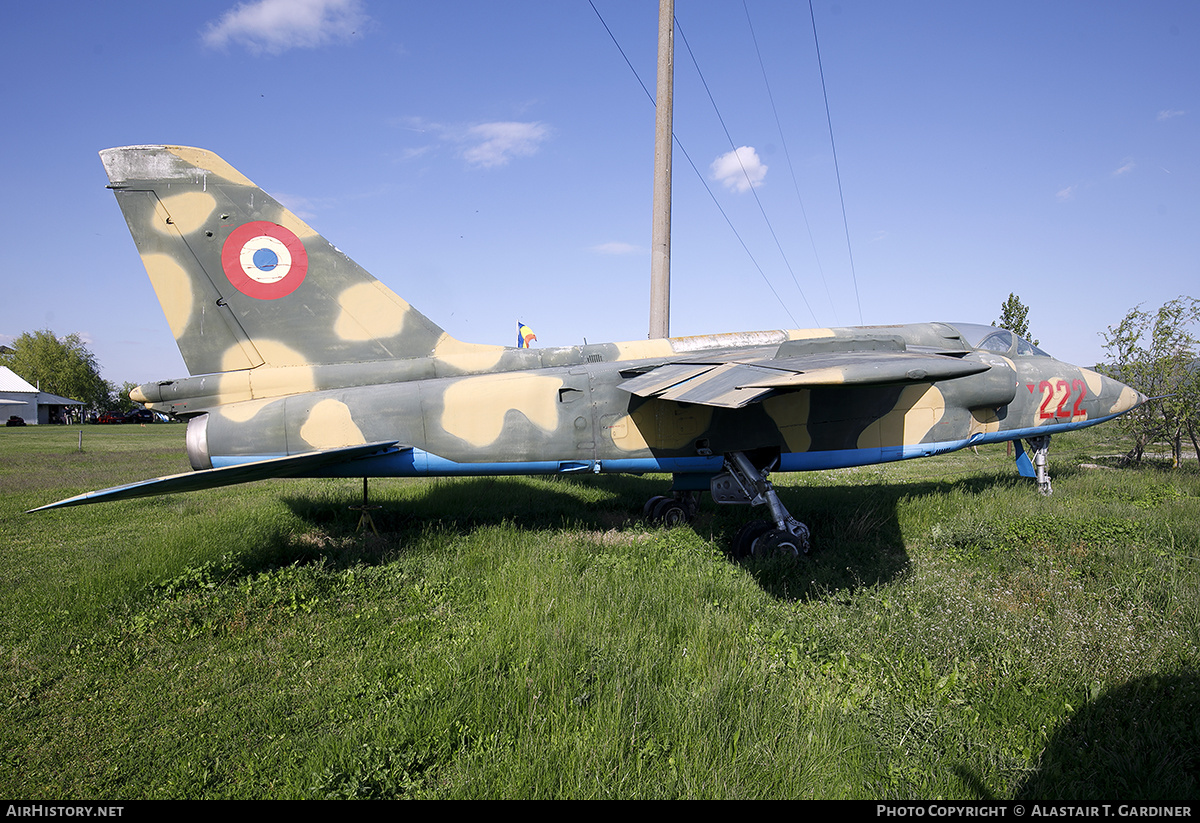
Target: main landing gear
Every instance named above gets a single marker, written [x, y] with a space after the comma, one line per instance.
[740, 483]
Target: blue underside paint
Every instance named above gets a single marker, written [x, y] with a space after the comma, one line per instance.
[419, 463]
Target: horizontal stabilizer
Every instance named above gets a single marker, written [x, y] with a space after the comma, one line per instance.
[736, 384]
[290, 466]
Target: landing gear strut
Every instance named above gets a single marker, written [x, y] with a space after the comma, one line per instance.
[1041, 450]
[742, 482]
[1036, 467]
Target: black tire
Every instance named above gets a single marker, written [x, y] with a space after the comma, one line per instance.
[671, 513]
[777, 543]
[743, 543]
[650, 506]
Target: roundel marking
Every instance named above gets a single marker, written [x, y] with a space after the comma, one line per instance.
[264, 260]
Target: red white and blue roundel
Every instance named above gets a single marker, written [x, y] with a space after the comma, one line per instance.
[264, 260]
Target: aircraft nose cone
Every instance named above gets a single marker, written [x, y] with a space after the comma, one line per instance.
[1119, 397]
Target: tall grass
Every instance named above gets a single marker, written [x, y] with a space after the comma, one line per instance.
[956, 635]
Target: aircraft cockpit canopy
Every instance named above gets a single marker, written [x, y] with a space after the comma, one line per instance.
[1001, 341]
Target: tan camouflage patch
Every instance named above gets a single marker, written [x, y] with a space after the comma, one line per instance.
[275, 353]
[174, 289]
[808, 334]
[233, 386]
[628, 433]
[660, 424]
[983, 421]
[277, 382]
[917, 411]
[1125, 401]
[239, 381]
[237, 358]
[369, 311]
[474, 408]
[209, 162]
[643, 349]
[467, 357]
[790, 413]
[330, 426]
[189, 210]
[1094, 381]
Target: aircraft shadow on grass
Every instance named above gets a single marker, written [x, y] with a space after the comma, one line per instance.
[862, 545]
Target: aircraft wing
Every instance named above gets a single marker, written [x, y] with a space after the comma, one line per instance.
[289, 466]
[734, 384]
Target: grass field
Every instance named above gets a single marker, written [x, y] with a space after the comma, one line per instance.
[954, 636]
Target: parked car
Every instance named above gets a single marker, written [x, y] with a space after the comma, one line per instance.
[110, 417]
[15, 420]
[140, 416]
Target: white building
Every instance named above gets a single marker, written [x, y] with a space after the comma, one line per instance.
[18, 398]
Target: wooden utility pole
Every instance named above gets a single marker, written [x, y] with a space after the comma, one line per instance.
[660, 251]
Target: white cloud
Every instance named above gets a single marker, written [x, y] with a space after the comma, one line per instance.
[1066, 194]
[616, 247]
[494, 144]
[740, 170]
[274, 26]
[485, 144]
[1167, 114]
[1125, 168]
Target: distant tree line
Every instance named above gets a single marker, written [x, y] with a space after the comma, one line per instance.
[66, 367]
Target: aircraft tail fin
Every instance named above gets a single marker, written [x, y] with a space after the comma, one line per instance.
[243, 281]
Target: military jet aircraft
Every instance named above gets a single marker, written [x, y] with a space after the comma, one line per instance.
[304, 365]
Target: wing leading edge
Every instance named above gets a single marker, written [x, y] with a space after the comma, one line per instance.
[733, 385]
[290, 466]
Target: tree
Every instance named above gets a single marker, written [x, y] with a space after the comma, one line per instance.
[64, 367]
[1014, 316]
[120, 397]
[1157, 355]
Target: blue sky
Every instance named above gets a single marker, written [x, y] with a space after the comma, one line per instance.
[492, 161]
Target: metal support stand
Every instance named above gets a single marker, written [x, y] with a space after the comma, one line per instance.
[364, 517]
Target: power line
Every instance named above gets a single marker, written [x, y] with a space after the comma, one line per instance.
[836, 168]
[700, 176]
[791, 168]
[753, 190]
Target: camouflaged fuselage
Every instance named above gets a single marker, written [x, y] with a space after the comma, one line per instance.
[564, 410]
